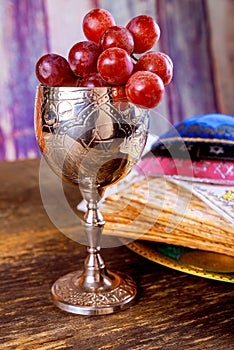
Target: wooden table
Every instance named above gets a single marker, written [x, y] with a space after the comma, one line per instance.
[173, 311]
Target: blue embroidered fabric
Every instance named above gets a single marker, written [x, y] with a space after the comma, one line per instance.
[209, 136]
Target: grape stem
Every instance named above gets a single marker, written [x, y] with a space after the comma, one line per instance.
[134, 58]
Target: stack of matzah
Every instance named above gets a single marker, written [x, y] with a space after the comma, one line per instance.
[156, 209]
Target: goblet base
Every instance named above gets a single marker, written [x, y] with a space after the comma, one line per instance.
[69, 294]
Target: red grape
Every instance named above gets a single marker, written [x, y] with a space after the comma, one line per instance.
[117, 37]
[96, 22]
[168, 58]
[93, 80]
[145, 89]
[83, 57]
[119, 93]
[115, 66]
[53, 70]
[119, 97]
[72, 80]
[158, 63]
[145, 32]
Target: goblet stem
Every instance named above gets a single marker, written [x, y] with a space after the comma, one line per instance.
[95, 290]
[95, 277]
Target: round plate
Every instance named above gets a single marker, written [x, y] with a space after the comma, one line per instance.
[196, 262]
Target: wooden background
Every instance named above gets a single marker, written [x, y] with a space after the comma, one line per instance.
[197, 34]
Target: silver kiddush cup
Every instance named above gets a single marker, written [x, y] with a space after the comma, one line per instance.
[90, 138]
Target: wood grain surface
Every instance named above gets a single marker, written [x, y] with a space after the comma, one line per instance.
[173, 311]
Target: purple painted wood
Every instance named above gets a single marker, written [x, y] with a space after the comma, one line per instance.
[25, 35]
[185, 37]
[2, 145]
[25, 39]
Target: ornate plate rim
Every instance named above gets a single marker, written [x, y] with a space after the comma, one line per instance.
[149, 253]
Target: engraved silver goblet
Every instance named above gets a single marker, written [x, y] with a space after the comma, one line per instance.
[92, 139]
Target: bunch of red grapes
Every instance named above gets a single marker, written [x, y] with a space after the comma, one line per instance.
[107, 59]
